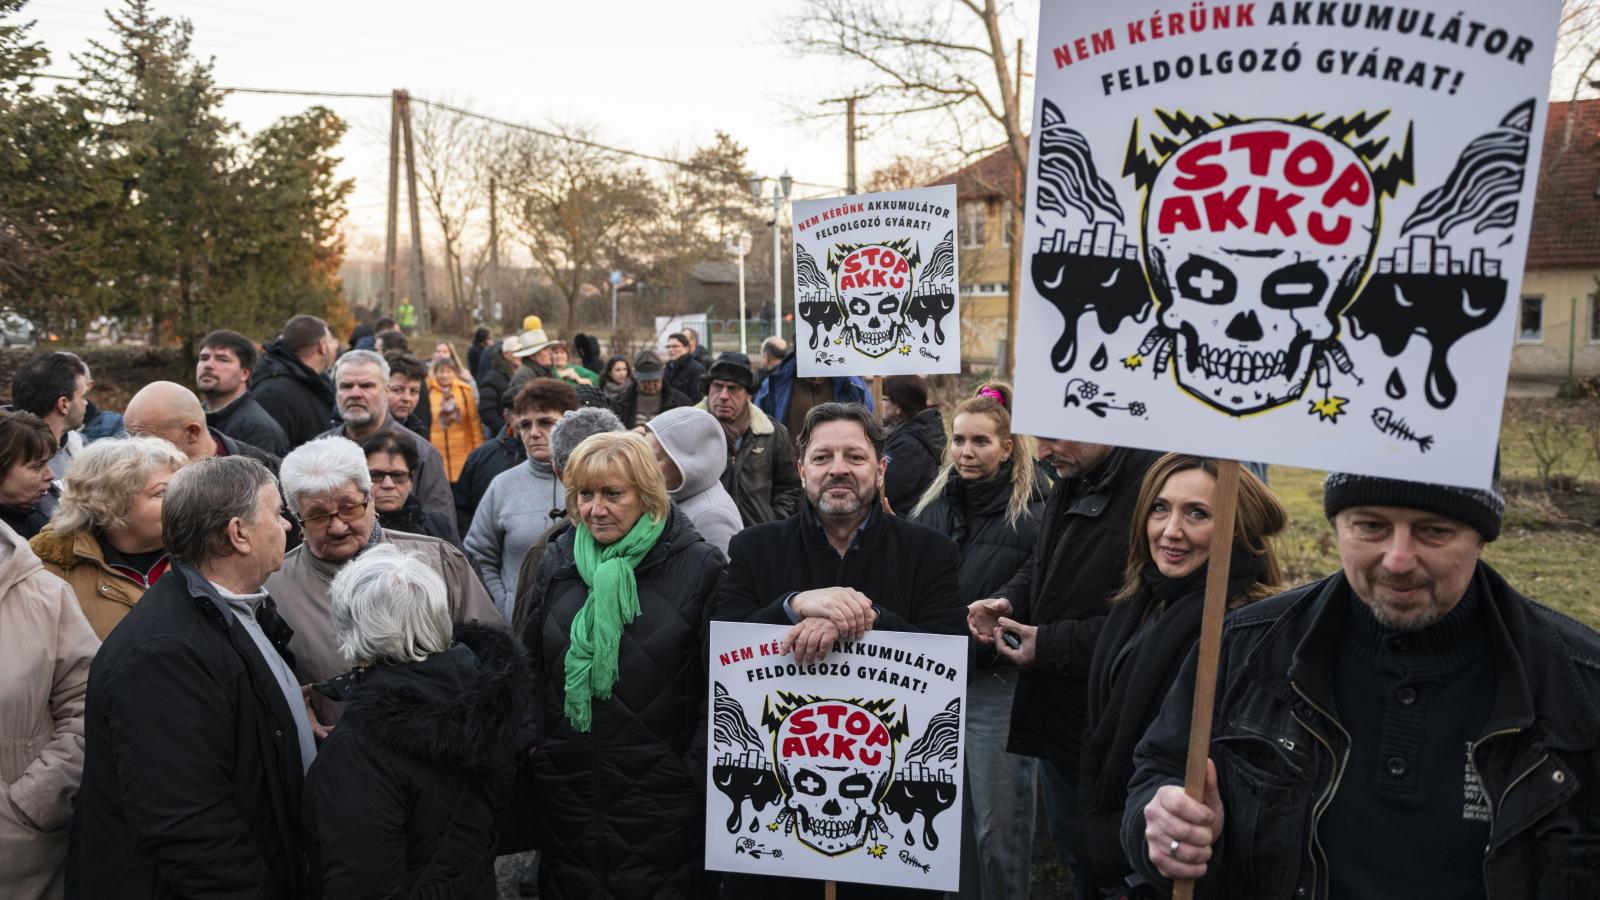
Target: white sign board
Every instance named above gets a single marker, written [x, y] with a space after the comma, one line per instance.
[876, 284]
[1286, 232]
[669, 325]
[848, 769]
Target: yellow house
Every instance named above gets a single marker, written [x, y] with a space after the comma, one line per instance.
[1558, 313]
[1558, 308]
[983, 212]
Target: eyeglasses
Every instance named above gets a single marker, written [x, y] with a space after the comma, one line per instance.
[347, 513]
[400, 477]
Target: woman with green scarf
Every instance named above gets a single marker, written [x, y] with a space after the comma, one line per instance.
[617, 640]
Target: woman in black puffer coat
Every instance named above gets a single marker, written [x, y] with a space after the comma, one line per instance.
[400, 799]
[619, 781]
[986, 499]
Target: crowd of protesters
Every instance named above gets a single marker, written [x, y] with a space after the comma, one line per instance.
[339, 621]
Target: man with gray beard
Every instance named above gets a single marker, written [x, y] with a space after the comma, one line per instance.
[835, 570]
[1410, 726]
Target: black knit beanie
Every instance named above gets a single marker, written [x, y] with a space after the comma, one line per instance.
[1482, 510]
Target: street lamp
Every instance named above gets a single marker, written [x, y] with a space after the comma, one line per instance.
[739, 245]
[780, 196]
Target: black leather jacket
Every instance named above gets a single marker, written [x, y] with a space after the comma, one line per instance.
[1281, 753]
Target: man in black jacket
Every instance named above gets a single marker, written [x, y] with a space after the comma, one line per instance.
[1410, 726]
[222, 378]
[196, 734]
[290, 381]
[650, 395]
[1055, 607]
[838, 569]
[761, 475]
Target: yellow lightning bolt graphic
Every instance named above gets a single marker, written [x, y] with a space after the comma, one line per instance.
[1133, 361]
[773, 827]
[876, 851]
[905, 350]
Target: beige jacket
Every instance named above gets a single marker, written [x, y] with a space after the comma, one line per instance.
[45, 649]
[300, 589]
[77, 559]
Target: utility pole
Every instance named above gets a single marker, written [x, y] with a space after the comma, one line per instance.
[1014, 264]
[494, 259]
[850, 134]
[394, 203]
[419, 278]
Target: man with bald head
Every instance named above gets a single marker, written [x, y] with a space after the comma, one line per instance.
[172, 412]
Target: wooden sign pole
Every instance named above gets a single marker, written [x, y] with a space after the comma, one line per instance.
[830, 890]
[1216, 603]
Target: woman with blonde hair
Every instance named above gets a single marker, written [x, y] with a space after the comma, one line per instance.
[1154, 622]
[619, 664]
[988, 500]
[105, 538]
[456, 430]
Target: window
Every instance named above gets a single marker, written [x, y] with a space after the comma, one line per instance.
[1594, 318]
[972, 215]
[1531, 329]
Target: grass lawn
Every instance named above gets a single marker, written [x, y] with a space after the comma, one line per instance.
[1550, 545]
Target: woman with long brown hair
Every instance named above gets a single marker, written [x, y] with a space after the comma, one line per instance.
[1154, 621]
[988, 499]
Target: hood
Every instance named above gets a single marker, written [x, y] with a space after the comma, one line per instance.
[278, 361]
[695, 441]
[17, 561]
[457, 709]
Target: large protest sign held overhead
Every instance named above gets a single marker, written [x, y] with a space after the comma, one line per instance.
[876, 284]
[848, 769]
[1287, 232]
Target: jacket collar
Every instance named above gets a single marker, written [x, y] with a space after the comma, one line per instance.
[865, 531]
[1536, 676]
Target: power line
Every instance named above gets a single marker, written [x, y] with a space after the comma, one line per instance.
[504, 123]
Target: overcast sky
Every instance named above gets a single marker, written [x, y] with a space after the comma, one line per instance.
[651, 76]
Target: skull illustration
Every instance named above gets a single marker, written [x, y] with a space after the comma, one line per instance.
[873, 282]
[833, 760]
[1256, 237]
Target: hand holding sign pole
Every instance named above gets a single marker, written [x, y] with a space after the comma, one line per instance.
[1205, 680]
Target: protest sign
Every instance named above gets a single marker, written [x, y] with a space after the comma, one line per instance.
[875, 284]
[848, 769]
[1285, 232]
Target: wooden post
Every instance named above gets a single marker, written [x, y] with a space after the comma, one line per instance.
[389, 249]
[489, 315]
[1014, 263]
[850, 144]
[419, 276]
[1216, 604]
[830, 890]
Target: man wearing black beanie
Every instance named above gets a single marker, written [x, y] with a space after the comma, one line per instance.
[1410, 726]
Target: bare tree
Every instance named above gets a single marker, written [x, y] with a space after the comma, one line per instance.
[452, 171]
[906, 171]
[953, 60]
[577, 210]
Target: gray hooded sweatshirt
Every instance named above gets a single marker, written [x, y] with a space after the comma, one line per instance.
[513, 514]
[694, 439]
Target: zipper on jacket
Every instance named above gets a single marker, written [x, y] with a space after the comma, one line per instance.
[1341, 760]
[1472, 763]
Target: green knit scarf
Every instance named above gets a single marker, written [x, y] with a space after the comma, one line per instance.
[591, 664]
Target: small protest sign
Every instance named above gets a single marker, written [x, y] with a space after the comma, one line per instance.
[875, 284]
[847, 769]
[1286, 232]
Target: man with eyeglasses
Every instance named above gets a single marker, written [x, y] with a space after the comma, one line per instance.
[330, 493]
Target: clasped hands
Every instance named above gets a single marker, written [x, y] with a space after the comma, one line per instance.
[989, 620]
[827, 615]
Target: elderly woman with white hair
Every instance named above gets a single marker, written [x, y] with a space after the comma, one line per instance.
[616, 636]
[329, 491]
[400, 801]
[104, 540]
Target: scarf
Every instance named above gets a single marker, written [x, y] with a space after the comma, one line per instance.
[1136, 659]
[613, 602]
[449, 410]
[735, 427]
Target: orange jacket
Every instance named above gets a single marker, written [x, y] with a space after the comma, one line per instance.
[456, 440]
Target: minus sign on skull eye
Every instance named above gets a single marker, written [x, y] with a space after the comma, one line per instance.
[1297, 288]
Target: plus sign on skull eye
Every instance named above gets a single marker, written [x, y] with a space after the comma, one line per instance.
[1206, 284]
[810, 782]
